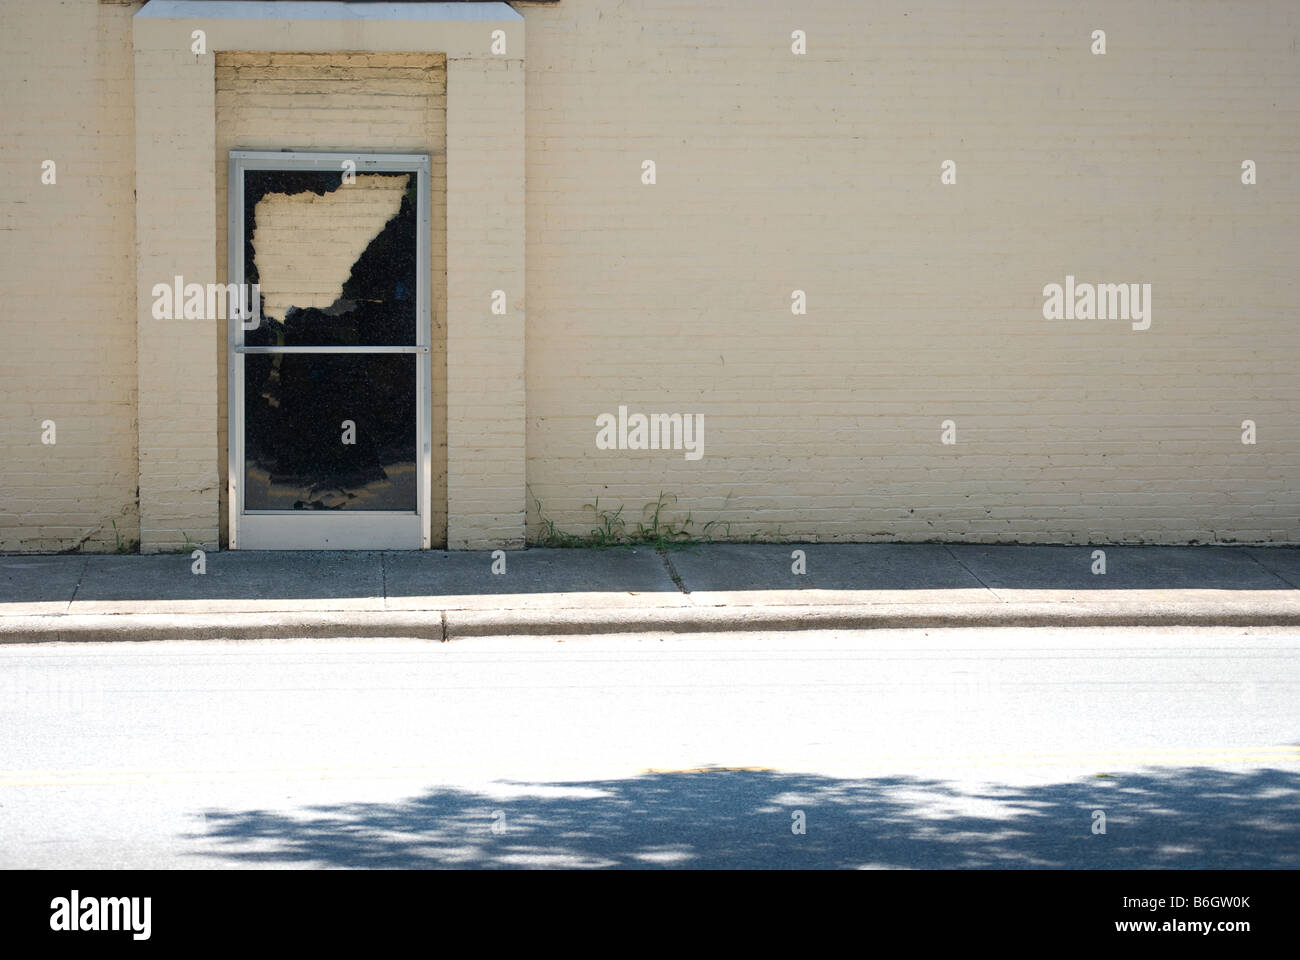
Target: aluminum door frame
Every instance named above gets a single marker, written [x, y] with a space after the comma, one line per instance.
[327, 529]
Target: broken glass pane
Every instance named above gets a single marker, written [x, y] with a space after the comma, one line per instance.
[335, 261]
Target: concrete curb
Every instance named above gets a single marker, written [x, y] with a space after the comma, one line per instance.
[466, 623]
[458, 624]
[88, 628]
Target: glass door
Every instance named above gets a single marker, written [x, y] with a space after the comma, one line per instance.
[329, 355]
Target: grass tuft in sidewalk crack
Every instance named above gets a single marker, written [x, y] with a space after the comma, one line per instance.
[656, 529]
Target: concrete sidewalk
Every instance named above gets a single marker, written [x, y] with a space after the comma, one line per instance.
[715, 587]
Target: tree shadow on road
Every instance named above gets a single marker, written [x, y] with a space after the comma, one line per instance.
[1196, 817]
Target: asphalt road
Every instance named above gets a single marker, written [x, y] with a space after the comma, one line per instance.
[940, 748]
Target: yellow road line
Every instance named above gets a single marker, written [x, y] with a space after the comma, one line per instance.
[1102, 761]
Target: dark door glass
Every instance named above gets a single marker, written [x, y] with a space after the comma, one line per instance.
[296, 450]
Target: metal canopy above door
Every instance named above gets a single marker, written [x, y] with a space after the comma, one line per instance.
[329, 372]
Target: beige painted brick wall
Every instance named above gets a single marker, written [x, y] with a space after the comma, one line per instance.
[821, 172]
[775, 172]
[372, 102]
[485, 415]
[68, 325]
[175, 365]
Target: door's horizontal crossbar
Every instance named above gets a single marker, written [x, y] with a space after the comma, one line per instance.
[410, 349]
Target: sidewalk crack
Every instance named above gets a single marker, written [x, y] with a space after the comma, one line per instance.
[1273, 572]
[81, 575]
[672, 571]
[972, 573]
